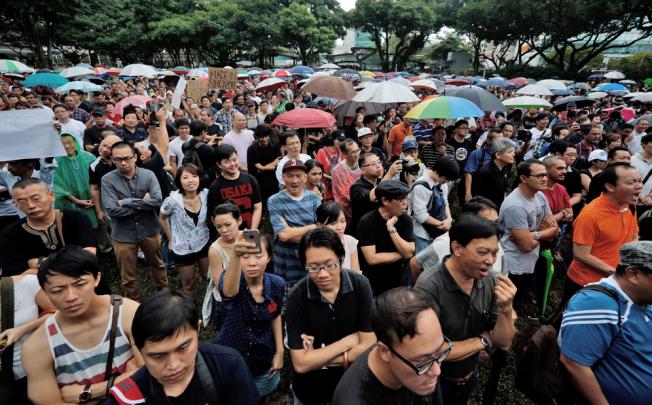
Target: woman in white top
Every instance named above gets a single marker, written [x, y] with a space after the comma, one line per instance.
[227, 221]
[28, 298]
[183, 219]
[331, 215]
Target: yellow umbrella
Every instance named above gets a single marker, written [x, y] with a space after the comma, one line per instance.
[368, 74]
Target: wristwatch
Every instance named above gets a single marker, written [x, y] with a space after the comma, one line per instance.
[564, 213]
[537, 235]
[85, 395]
[392, 230]
[485, 342]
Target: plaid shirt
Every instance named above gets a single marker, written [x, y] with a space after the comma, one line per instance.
[79, 115]
[225, 119]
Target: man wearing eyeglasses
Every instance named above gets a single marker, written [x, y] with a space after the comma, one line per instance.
[404, 366]
[473, 304]
[327, 318]
[132, 197]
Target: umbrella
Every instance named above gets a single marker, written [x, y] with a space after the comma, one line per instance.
[401, 80]
[138, 69]
[478, 96]
[86, 87]
[387, 92]
[281, 73]
[84, 65]
[272, 83]
[596, 77]
[643, 98]
[302, 70]
[526, 102]
[76, 71]
[180, 70]
[348, 74]
[444, 107]
[648, 82]
[305, 118]
[552, 84]
[597, 95]
[13, 66]
[579, 101]
[328, 66]
[580, 85]
[368, 74]
[45, 79]
[561, 92]
[496, 82]
[137, 101]
[534, 90]
[330, 86]
[633, 94]
[348, 108]
[424, 84]
[610, 86]
[114, 71]
[197, 73]
[550, 271]
[519, 81]
[627, 82]
[99, 70]
[618, 93]
[614, 75]
[327, 100]
[253, 72]
[458, 82]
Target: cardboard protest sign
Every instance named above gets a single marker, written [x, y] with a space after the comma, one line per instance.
[223, 79]
[196, 89]
[28, 134]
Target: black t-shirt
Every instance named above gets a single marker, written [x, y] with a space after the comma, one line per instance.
[19, 242]
[360, 203]
[157, 165]
[231, 378]
[98, 169]
[243, 192]
[462, 150]
[215, 129]
[360, 386]
[93, 135]
[372, 230]
[490, 182]
[266, 179]
[529, 122]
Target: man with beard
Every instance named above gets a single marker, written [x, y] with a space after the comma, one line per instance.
[555, 192]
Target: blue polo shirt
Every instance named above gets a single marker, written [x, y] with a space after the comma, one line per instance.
[478, 157]
[587, 335]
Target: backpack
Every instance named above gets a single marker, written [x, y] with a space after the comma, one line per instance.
[436, 208]
[539, 372]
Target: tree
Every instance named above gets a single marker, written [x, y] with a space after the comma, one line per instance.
[451, 42]
[410, 22]
[635, 67]
[302, 33]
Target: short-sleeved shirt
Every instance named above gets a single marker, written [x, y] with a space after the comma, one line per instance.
[139, 134]
[241, 142]
[19, 242]
[359, 385]
[266, 179]
[461, 150]
[97, 169]
[557, 197]
[243, 192]
[605, 227]
[422, 133]
[360, 203]
[93, 135]
[589, 334]
[520, 212]
[396, 137]
[296, 213]
[429, 154]
[461, 316]
[310, 313]
[248, 324]
[491, 182]
[477, 159]
[372, 231]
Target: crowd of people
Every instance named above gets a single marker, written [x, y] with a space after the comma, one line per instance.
[398, 257]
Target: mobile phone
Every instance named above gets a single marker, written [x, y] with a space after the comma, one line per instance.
[253, 236]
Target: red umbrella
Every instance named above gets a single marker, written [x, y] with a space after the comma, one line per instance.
[114, 71]
[519, 81]
[305, 118]
[281, 73]
[379, 74]
[457, 82]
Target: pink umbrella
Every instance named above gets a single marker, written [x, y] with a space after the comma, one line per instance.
[136, 101]
[627, 113]
[305, 118]
[519, 81]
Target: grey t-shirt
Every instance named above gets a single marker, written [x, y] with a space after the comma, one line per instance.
[519, 212]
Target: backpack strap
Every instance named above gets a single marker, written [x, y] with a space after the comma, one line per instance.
[206, 379]
[116, 301]
[7, 322]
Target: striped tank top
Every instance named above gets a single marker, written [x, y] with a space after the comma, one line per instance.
[76, 366]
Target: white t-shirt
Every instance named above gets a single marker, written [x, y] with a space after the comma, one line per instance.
[350, 245]
[74, 128]
[175, 149]
[25, 310]
[279, 169]
[241, 142]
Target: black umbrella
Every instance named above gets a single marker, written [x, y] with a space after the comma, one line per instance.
[580, 102]
[479, 96]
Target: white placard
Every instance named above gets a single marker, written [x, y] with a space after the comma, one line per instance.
[178, 92]
[28, 134]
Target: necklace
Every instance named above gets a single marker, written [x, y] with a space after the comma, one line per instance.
[193, 203]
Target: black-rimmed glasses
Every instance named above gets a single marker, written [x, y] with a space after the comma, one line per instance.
[424, 367]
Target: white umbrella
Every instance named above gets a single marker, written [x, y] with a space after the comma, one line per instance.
[643, 98]
[597, 95]
[632, 95]
[401, 80]
[627, 82]
[76, 71]
[197, 73]
[138, 69]
[13, 66]
[614, 74]
[86, 87]
[385, 93]
[328, 66]
[318, 74]
[270, 84]
[552, 84]
[526, 102]
[424, 84]
[534, 90]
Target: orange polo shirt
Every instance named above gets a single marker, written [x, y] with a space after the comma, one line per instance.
[605, 227]
[396, 137]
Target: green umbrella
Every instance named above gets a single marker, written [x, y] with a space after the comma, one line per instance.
[45, 79]
[550, 271]
[444, 107]
[648, 82]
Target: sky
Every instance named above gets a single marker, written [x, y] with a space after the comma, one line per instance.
[347, 4]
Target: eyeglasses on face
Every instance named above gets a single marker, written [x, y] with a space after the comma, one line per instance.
[123, 159]
[424, 367]
[317, 269]
[539, 176]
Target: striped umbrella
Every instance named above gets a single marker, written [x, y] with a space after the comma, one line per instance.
[444, 107]
[13, 66]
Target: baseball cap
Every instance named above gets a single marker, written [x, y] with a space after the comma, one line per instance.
[391, 189]
[364, 131]
[637, 253]
[598, 154]
[98, 111]
[294, 164]
[250, 102]
[408, 144]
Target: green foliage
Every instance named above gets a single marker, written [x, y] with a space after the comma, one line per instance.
[451, 42]
[636, 67]
[303, 33]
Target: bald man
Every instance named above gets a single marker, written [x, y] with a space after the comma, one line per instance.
[240, 138]
[101, 166]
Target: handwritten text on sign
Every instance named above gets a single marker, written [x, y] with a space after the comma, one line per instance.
[223, 79]
[196, 89]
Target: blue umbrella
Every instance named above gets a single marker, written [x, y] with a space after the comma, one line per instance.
[561, 92]
[444, 107]
[86, 87]
[611, 86]
[86, 65]
[496, 82]
[302, 70]
[581, 86]
[46, 80]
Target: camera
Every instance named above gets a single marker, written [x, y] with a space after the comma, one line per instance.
[410, 167]
[524, 135]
